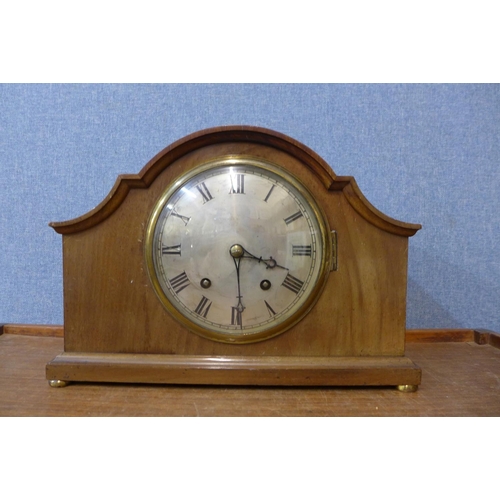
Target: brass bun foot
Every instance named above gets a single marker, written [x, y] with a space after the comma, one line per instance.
[407, 388]
[58, 383]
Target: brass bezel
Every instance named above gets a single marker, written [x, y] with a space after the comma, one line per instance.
[324, 237]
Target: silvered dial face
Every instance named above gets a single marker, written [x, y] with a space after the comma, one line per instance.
[237, 250]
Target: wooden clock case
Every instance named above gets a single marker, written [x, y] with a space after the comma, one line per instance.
[116, 329]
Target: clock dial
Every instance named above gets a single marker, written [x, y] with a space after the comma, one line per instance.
[237, 250]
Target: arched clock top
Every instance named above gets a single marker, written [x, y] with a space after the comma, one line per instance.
[232, 134]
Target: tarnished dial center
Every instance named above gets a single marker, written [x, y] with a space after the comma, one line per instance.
[236, 251]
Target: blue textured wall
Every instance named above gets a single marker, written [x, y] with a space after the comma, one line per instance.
[420, 153]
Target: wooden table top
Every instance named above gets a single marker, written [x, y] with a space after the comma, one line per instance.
[458, 379]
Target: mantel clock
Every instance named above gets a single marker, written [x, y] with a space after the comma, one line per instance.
[236, 256]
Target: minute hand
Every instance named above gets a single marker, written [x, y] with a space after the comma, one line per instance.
[270, 263]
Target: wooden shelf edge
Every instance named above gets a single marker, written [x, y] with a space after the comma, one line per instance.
[483, 336]
[478, 335]
[33, 330]
[440, 335]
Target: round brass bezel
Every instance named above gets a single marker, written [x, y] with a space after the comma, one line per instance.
[324, 240]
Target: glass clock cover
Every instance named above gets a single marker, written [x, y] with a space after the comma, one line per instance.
[237, 250]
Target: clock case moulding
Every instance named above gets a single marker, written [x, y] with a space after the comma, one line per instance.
[116, 329]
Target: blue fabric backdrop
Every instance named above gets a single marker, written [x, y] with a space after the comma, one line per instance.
[420, 153]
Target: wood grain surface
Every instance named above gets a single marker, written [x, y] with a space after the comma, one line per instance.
[459, 379]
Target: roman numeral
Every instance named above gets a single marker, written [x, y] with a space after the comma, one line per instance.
[293, 217]
[269, 194]
[292, 283]
[202, 188]
[236, 316]
[270, 309]
[183, 218]
[174, 250]
[179, 282]
[237, 187]
[301, 250]
[203, 307]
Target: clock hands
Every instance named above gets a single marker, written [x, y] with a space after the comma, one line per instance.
[237, 252]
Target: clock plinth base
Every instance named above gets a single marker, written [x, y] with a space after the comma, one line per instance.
[235, 370]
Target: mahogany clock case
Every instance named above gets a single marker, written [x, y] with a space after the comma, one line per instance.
[110, 306]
